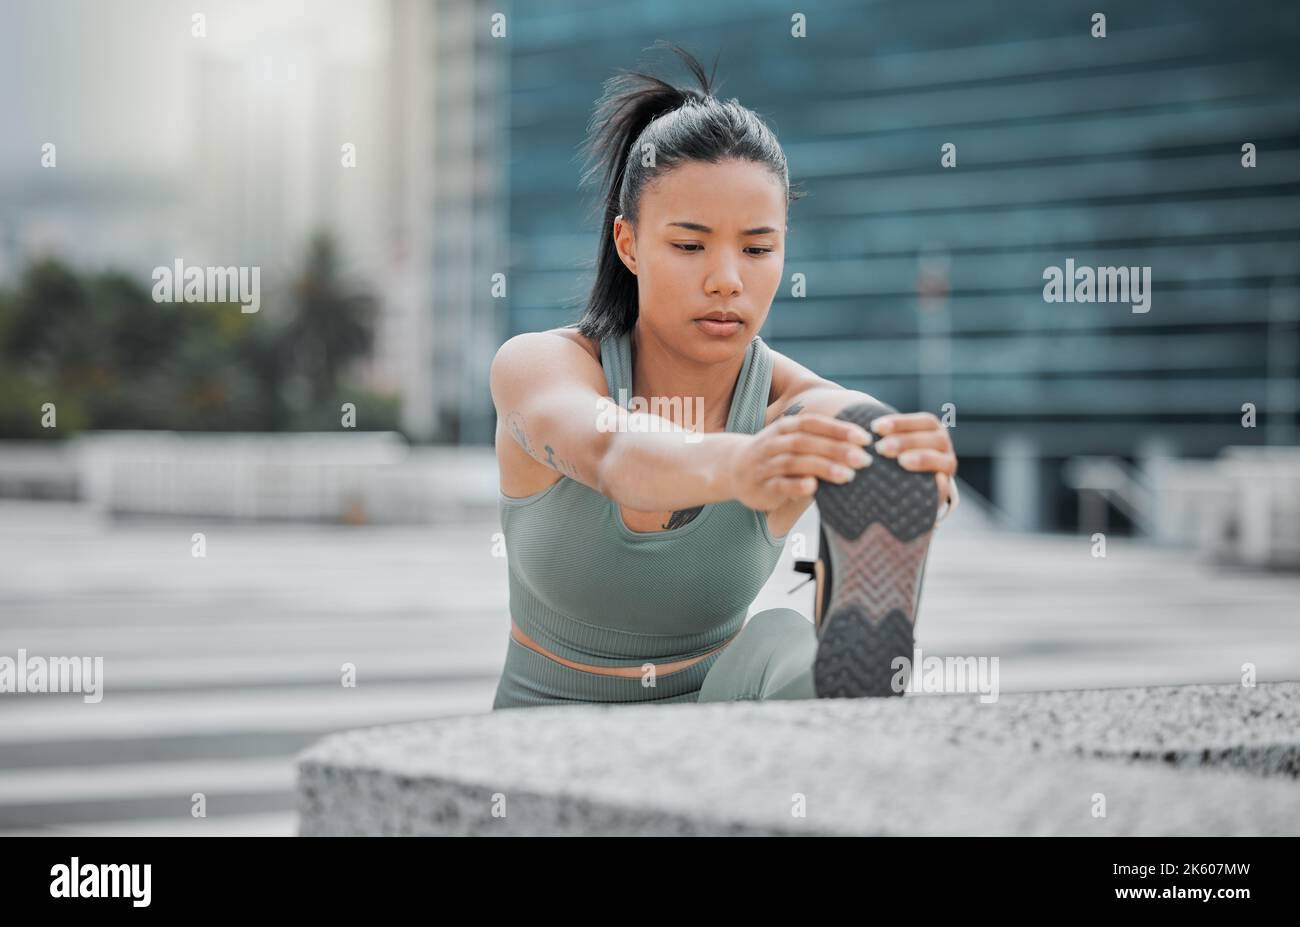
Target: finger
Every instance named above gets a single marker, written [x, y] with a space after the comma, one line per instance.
[816, 423]
[942, 480]
[793, 487]
[893, 445]
[810, 465]
[841, 451]
[926, 459]
[905, 421]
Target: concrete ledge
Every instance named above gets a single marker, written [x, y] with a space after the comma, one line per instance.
[1182, 760]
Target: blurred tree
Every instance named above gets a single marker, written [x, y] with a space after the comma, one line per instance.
[332, 324]
[108, 356]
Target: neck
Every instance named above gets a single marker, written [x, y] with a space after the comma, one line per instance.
[659, 372]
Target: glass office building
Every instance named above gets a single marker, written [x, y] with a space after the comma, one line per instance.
[1168, 147]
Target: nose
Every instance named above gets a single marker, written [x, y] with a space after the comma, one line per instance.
[724, 279]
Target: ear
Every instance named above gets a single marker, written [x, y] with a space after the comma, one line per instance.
[625, 243]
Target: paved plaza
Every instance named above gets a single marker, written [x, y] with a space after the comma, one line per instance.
[218, 670]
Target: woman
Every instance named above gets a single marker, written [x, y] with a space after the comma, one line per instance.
[636, 547]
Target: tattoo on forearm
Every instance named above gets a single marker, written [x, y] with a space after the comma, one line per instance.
[519, 429]
[794, 409]
[516, 423]
[559, 463]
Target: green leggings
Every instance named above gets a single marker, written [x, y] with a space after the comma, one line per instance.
[771, 658]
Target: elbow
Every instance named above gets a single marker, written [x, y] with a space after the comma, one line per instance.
[606, 468]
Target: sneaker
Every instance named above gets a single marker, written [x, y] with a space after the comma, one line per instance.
[874, 540]
[819, 572]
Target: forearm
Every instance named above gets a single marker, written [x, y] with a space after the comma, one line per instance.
[655, 471]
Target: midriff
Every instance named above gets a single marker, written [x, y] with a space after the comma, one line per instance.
[661, 669]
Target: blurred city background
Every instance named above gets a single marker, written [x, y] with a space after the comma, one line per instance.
[382, 161]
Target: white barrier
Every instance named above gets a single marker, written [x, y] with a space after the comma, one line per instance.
[1243, 507]
[318, 476]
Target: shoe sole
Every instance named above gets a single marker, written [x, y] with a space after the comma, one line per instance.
[878, 528]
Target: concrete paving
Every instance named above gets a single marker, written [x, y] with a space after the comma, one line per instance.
[1191, 760]
[219, 670]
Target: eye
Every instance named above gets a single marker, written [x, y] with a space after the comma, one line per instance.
[695, 247]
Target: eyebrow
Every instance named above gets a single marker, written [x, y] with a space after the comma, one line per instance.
[697, 227]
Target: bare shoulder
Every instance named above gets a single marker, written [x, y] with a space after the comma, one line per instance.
[591, 346]
[789, 378]
[526, 371]
[549, 354]
[570, 335]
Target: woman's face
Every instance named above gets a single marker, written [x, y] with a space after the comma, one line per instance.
[710, 239]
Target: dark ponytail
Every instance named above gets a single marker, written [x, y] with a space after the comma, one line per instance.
[683, 124]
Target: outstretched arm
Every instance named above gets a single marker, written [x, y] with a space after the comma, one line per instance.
[551, 396]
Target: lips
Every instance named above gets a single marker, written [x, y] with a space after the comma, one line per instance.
[719, 324]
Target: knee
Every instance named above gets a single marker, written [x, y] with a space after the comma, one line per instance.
[778, 622]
